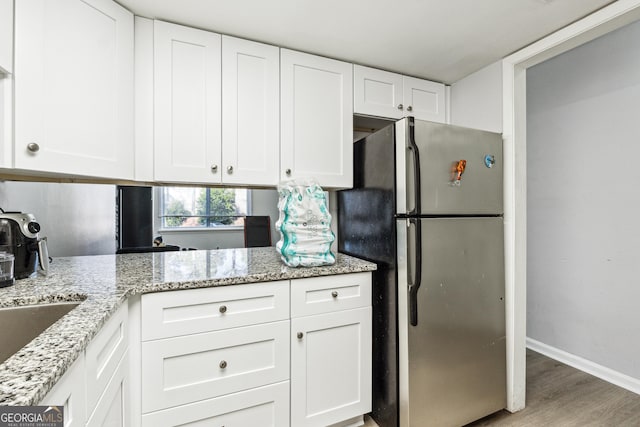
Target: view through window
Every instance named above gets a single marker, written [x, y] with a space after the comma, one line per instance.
[203, 207]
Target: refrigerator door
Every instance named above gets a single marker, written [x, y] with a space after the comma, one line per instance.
[453, 361]
[449, 170]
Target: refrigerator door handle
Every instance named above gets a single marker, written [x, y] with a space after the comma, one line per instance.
[413, 147]
[415, 255]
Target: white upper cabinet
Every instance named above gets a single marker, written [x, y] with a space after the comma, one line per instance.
[6, 36]
[187, 116]
[316, 119]
[250, 112]
[424, 99]
[377, 92]
[384, 94]
[73, 76]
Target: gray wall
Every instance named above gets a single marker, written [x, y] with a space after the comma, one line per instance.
[476, 100]
[77, 219]
[583, 147]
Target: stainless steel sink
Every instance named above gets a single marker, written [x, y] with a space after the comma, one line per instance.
[19, 325]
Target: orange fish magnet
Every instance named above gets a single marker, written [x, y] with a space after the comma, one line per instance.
[457, 171]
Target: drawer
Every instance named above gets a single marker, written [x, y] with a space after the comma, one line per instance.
[325, 294]
[104, 353]
[172, 314]
[266, 406]
[185, 369]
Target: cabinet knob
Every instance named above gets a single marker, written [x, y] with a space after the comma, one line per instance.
[300, 335]
[223, 309]
[223, 364]
[288, 172]
[400, 106]
[334, 294]
[229, 170]
[409, 108]
[214, 168]
[33, 147]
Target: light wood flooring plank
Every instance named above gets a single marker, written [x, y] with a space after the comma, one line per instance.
[562, 396]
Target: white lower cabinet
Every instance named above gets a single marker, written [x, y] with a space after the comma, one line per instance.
[70, 394]
[266, 406]
[104, 356]
[216, 356]
[265, 354]
[330, 367]
[94, 390]
[112, 409]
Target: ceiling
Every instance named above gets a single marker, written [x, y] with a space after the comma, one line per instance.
[441, 40]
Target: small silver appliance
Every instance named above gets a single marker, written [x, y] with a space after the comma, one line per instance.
[19, 236]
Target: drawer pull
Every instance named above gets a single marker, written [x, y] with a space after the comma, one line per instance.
[223, 364]
[300, 335]
[334, 294]
[223, 309]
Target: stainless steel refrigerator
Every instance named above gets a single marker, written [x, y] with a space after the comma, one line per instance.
[427, 208]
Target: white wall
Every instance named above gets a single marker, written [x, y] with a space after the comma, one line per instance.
[77, 219]
[263, 202]
[476, 100]
[583, 143]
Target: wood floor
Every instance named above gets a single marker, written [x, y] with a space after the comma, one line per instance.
[561, 396]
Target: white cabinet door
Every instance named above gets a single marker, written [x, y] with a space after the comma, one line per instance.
[187, 104]
[316, 119]
[112, 409]
[250, 112]
[74, 87]
[104, 354]
[377, 92]
[69, 395]
[330, 367]
[6, 36]
[424, 99]
[266, 406]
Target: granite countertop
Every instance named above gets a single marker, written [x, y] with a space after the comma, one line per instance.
[102, 283]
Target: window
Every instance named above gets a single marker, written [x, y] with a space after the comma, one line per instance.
[202, 207]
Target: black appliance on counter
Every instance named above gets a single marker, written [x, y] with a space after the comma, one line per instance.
[134, 218]
[19, 236]
[134, 213]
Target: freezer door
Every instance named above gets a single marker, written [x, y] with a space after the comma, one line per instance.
[452, 361]
[451, 170]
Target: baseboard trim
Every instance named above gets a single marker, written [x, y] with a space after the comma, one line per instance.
[602, 372]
